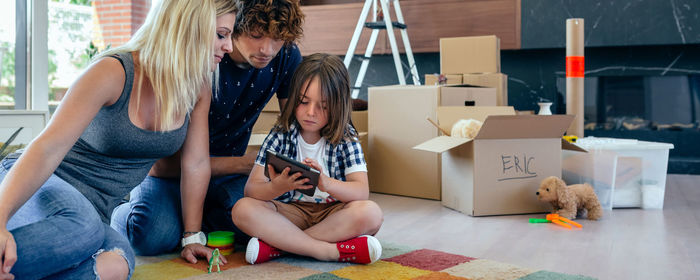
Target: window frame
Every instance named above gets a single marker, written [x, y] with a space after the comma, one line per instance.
[31, 55]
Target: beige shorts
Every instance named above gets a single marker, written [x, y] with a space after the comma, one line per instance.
[306, 214]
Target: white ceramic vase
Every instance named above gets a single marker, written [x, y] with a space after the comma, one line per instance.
[544, 108]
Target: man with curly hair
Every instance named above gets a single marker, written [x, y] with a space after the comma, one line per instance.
[261, 65]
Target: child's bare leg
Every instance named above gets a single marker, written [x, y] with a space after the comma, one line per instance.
[260, 219]
[355, 219]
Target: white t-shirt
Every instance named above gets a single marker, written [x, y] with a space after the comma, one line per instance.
[316, 151]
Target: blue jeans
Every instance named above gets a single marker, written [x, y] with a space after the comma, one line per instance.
[59, 233]
[152, 219]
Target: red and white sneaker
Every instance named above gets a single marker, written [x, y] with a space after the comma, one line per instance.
[259, 252]
[363, 249]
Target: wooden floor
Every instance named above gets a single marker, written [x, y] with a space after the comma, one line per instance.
[625, 244]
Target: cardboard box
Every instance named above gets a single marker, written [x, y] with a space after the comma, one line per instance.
[468, 95]
[453, 79]
[499, 171]
[268, 117]
[273, 105]
[397, 122]
[265, 122]
[498, 81]
[256, 140]
[464, 55]
[359, 119]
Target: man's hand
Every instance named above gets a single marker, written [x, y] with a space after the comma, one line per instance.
[8, 254]
[192, 251]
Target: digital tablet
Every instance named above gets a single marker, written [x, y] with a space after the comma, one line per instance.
[280, 162]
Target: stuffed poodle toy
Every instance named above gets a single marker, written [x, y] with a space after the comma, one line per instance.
[570, 200]
[466, 128]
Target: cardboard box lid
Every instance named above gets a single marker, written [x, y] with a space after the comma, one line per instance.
[529, 126]
[441, 144]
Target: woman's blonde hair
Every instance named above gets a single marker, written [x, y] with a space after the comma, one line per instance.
[222, 7]
[175, 46]
[225, 7]
[334, 81]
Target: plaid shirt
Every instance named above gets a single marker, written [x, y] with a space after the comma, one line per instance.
[338, 157]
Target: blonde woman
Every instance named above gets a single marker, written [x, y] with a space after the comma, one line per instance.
[135, 104]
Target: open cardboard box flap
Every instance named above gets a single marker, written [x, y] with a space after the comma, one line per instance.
[527, 126]
[565, 145]
[500, 123]
[448, 115]
[441, 144]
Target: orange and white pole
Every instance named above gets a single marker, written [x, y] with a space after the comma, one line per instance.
[574, 74]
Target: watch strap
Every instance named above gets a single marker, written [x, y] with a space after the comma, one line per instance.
[198, 237]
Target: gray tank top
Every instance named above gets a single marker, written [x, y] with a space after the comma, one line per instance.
[113, 155]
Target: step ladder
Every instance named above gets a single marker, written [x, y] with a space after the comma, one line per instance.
[384, 23]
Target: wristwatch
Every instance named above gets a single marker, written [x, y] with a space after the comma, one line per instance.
[198, 237]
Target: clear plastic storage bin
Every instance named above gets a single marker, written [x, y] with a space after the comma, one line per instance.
[623, 172]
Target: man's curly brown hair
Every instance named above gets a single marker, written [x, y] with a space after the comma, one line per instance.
[277, 19]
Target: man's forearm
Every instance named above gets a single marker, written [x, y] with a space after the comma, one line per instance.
[221, 166]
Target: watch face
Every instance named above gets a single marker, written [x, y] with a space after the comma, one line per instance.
[199, 237]
[202, 238]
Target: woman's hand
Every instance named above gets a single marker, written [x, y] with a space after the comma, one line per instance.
[283, 182]
[8, 254]
[192, 251]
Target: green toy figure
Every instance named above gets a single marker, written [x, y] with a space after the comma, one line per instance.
[214, 261]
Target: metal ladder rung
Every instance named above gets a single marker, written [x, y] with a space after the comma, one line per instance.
[381, 25]
[362, 57]
[386, 24]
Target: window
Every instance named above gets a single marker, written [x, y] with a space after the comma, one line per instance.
[59, 38]
[7, 56]
[73, 38]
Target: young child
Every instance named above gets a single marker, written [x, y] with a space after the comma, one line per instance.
[336, 223]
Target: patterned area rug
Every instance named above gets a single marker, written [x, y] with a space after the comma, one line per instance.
[397, 262]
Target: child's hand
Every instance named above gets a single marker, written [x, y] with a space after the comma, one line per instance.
[285, 182]
[322, 179]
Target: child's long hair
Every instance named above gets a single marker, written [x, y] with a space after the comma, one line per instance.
[335, 90]
[175, 46]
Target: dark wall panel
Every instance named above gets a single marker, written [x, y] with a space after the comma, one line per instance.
[611, 23]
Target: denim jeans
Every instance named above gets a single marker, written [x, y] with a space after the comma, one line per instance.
[152, 219]
[59, 233]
